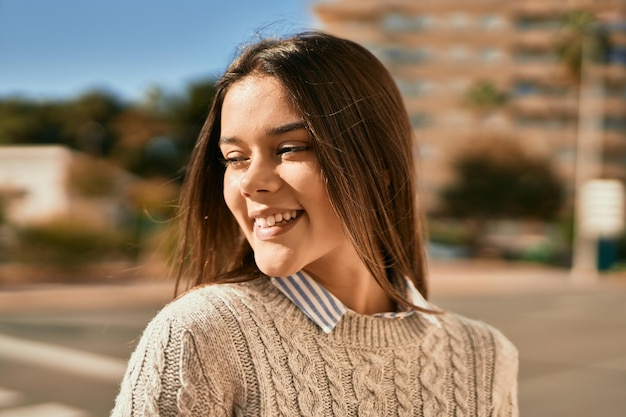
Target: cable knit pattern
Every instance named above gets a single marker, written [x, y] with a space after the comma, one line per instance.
[154, 371]
[334, 378]
[125, 408]
[195, 385]
[190, 371]
[247, 350]
[367, 377]
[432, 377]
[305, 378]
[275, 358]
[402, 380]
[459, 372]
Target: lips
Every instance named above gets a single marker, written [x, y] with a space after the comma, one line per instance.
[278, 219]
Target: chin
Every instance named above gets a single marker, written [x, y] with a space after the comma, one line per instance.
[275, 268]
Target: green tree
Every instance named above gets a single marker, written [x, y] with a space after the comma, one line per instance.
[496, 179]
[88, 122]
[23, 121]
[138, 134]
[484, 96]
[81, 123]
[582, 38]
[188, 112]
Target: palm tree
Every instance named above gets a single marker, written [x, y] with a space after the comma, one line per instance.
[584, 44]
[582, 39]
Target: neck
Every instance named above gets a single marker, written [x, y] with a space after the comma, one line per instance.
[356, 288]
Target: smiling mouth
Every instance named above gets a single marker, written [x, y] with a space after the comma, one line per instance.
[278, 219]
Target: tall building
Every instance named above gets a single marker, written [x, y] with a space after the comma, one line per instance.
[437, 50]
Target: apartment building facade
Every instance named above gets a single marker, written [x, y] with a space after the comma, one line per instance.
[438, 49]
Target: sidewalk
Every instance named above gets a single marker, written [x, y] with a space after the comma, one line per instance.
[85, 297]
[467, 277]
[445, 278]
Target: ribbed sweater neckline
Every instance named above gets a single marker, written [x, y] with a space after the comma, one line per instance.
[353, 329]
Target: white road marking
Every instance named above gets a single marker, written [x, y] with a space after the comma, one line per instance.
[44, 410]
[63, 359]
[9, 398]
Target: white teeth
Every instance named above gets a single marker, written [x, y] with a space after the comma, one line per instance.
[270, 221]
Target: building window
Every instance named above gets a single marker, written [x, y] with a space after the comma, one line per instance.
[535, 55]
[492, 22]
[427, 151]
[414, 88]
[537, 23]
[400, 55]
[566, 154]
[526, 88]
[400, 22]
[491, 55]
[459, 21]
[615, 123]
[420, 120]
[618, 55]
[458, 53]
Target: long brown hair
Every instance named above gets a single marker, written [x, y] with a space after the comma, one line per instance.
[363, 139]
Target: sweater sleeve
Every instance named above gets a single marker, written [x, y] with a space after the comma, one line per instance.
[505, 381]
[165, 376]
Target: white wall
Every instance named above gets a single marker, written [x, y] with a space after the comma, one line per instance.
[38, 171]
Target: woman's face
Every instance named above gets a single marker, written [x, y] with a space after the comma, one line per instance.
[273, 185]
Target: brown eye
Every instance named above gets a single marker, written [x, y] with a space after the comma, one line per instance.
[293, 149]
[235, 160]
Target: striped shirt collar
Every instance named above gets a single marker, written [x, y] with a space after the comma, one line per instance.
[326, 310]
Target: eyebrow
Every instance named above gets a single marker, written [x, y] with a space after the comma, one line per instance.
[289, 127]
[278, 130]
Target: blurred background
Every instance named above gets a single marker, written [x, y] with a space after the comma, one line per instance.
[519, 111]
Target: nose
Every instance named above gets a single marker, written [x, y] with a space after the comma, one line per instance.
[260, 177]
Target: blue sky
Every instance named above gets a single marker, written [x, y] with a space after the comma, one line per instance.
[60, 48]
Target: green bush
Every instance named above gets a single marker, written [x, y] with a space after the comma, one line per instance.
[450, 232]
[92, 177]
[70, 242]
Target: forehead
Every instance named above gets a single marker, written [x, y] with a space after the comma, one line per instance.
[254, 102]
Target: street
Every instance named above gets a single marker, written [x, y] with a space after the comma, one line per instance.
[34, 383]
[572, 348]
[66, 361]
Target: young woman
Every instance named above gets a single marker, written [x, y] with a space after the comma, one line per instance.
[308, 275]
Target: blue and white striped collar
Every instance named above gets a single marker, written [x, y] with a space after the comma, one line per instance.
[326, 310]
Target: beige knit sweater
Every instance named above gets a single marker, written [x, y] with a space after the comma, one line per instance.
[247, 350]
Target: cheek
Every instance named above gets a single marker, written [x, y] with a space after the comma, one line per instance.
[316, 194]
[232, 194]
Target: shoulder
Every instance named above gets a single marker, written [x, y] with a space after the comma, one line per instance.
[192, 348]
[207, 322]
[218, 316]
[203, 317]
[478, 333]
[211, 304]
[482, 347]
[491, 358]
